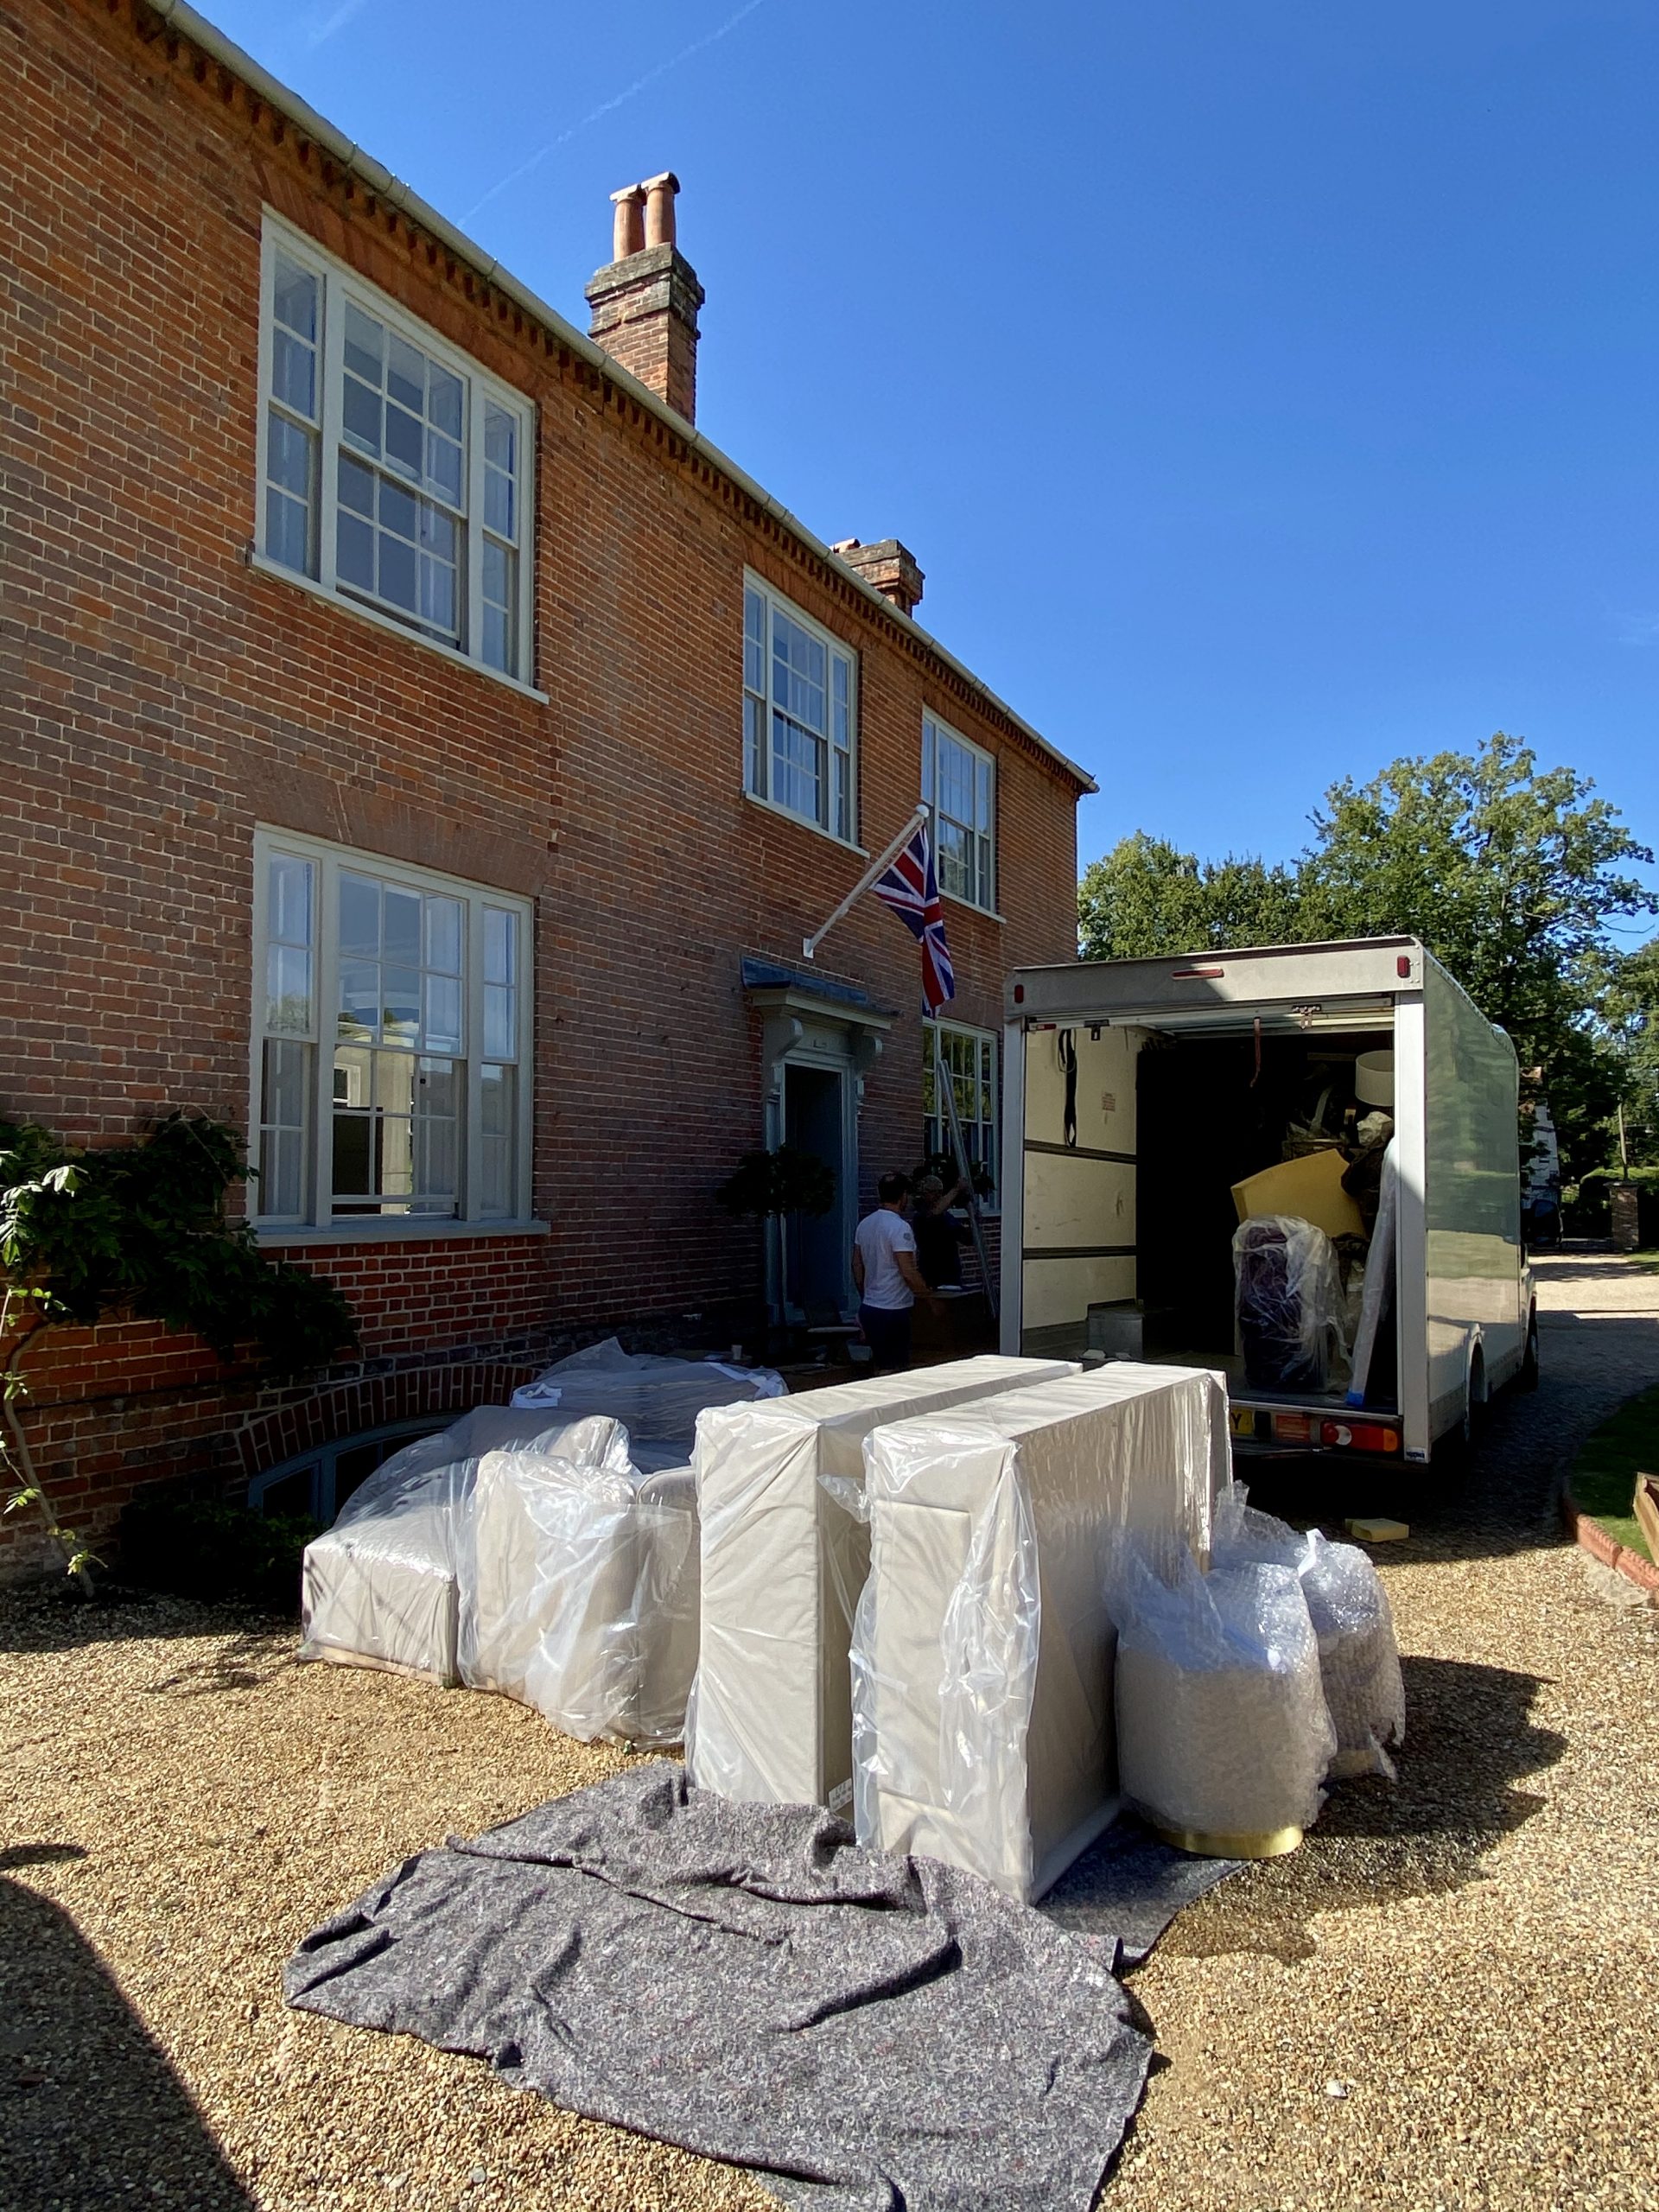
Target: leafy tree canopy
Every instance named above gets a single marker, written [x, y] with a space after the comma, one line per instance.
[1511, 874]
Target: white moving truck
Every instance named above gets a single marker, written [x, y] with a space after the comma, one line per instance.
[1139, 1094]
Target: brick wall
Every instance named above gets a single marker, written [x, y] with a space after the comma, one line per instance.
[159, 697]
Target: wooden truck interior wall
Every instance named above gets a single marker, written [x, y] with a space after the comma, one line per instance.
[1136, 1201]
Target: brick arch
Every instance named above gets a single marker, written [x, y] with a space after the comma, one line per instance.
[341, 1410]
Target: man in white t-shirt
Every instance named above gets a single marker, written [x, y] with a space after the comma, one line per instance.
[884, 1267]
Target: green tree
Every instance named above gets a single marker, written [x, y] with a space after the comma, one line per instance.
[141, 1231]
[1510, 874]
[1147, 897]
[1628, 1011]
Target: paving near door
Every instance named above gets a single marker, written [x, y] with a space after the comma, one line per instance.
[1445, 1998]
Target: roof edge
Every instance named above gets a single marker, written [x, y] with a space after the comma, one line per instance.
[184, 19]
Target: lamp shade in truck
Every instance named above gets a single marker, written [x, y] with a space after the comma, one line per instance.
[1298, 1166]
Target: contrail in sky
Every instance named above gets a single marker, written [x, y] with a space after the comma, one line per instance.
[606, 107]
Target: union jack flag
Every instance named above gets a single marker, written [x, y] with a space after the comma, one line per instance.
[911, 888]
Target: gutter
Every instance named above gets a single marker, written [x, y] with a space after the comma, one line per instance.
[213, 43]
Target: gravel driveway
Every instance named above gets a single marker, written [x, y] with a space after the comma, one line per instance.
[1445, 1998]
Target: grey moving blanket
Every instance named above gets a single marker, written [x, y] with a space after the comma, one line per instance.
[874, 2034]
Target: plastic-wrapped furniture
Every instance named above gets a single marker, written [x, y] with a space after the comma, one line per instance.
[1360, 1660]
[1223, 1734]
[656, 1398]
[982, 1651]
[579, 1589]
[783, 1560]
[1289, 1303]
[379, 1589]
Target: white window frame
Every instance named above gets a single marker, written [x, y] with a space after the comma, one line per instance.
[838, 652]
[340, 285]
[315, 1214]
[991, 1124]
[933, 728]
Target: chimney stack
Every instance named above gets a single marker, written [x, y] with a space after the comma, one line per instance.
[645, 303]
[889, 566]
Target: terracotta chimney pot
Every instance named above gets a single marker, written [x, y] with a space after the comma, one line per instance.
[659, 193]
[629, 236]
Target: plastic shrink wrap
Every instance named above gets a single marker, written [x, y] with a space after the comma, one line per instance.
[1223, 1739]
[379, 1589]
[784, 1555]
[982, 1649]
[1359, 1661]
[1289, 1299]
[578, 1595]
[656, 1398]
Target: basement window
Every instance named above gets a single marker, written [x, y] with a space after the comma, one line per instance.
[799, 714]
[392, 1051]
[393, 472]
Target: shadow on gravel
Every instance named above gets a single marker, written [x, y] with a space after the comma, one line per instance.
[51, 1618]
[91, 2115]
[1470, 1739]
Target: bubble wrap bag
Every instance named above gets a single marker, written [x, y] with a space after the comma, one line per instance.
[1359, 1661]
[655, 1397]
[982, 1657]
[1223, 1734]
[1289, 1299]
[380, 1588]
[578, 1595]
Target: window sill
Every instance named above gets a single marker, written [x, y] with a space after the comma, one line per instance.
[399, 1230]
[265, 567]
[817, 828]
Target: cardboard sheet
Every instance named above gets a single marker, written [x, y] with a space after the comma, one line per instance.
[983, 1649]
[783, 1563]
[1309, 1189]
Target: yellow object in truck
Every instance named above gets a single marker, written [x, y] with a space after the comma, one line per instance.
[1309, 1189]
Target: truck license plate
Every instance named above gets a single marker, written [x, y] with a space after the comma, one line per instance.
[1241, 1420]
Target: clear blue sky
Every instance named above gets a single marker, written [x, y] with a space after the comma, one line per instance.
[1265, 390]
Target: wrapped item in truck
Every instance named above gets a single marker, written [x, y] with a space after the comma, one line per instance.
[784, 1554]
[982, 1652]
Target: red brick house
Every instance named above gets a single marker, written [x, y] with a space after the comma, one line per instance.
[426, 752]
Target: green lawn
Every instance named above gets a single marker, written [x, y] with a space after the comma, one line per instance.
[1649, 1259]
[1621, 1449]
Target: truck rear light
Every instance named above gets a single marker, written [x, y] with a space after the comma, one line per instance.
[1019, 995]
[1359, 1436]
[1402, 965]
[1292, 1428]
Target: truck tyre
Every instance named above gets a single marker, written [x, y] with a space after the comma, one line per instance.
[1528, 1377]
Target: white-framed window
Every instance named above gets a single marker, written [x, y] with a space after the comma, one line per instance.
[391, 1041]
[959, 785]
[970, 1056]
[393, 472]
[800, 714]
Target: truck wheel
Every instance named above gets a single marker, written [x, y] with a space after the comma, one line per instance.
[1527, 1378]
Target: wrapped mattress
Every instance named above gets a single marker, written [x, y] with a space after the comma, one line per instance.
[380, 1588]
[785, 1556]
[983, 1650]
[656, 1398]
[579, 1587]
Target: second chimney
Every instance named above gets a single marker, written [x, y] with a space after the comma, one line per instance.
[889, 566]
[644, 302]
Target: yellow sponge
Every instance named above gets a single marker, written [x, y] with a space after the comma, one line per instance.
[1378, 1531]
